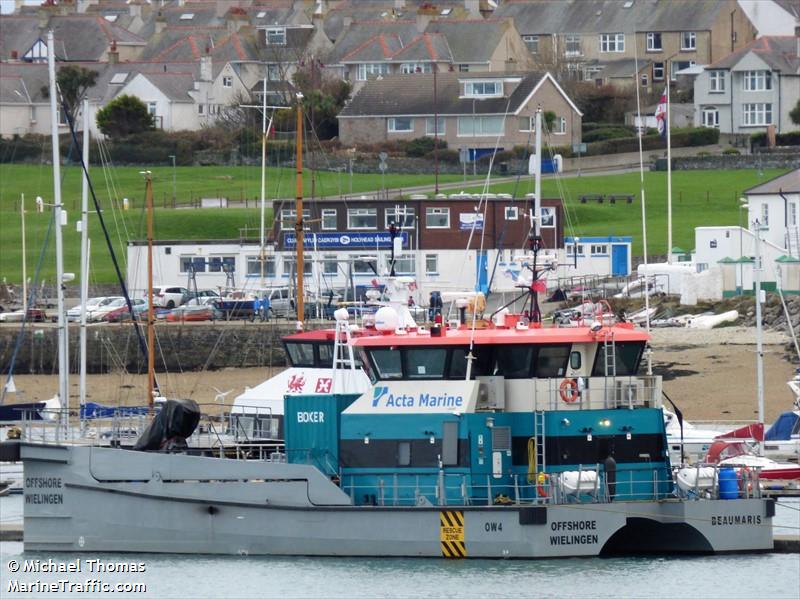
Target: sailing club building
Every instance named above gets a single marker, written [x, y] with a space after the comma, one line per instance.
[448, 244]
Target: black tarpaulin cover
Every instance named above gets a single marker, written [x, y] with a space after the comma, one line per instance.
[175, 422]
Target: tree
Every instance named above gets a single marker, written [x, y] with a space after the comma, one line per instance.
[123, 116]
[323, 98]
[73, 81]
[794, 114]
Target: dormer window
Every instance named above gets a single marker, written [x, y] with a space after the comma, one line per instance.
[276, 36]
[187, 16]
[483, 89]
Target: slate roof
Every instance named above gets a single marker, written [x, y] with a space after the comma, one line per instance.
[778, 51]
[77, 37]
[608, 16]
[190, 43]
[788, 183]
[471, 40]
[412, 94]
[362, 34]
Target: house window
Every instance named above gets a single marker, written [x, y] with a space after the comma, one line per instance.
[688, 40]
[401, 217]
[33, 113]
[362, 218]
[572, 45]
[431, 264]
[482, 89]
[612, 42]
[658, 71]
[330, 265]
[254, 266]
[512, 213]
[192, 264]
[765, 215]
[480, 126]
[329, 219]
[289, 218]
[757, 81]
[527, 123]
[369, 69]
[222, 264]
[716, 82]
[364, 267]
[570, 249]
[273, 72]
[402, 124]
[756, 114]
[416, 67]
[532, 42]
[404, 264]
[227, 81]
[679, 65]
[560, 126]
[276, 36]
[711, 117]
[654, 42]
[200, 109]
[151, 108]
[429, 126]
[645, 80]
[598, 249]
[463, 68]
[437, 218]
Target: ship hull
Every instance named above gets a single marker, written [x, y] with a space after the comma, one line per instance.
[100, 499]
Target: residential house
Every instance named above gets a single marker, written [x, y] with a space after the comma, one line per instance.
[578, 39]
[772, 17]
[78, 38]
[751, 88]
[368, 49]
[476, 111]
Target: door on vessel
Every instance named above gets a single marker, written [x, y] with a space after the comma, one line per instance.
[619, 260]
[482, 276]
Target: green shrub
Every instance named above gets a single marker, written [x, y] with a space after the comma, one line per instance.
[731, 151]
[703, 136]
[447, 155]
[423, 145]
[604, 133]
[704, 153]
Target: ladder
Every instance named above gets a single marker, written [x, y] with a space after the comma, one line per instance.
[610, 364]
[538, 433]
[343, 358]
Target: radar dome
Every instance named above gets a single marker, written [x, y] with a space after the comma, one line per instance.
[386, 319]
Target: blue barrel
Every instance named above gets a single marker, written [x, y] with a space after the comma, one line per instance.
[728, 485]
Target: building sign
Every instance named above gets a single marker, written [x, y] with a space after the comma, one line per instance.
[470, 220]
[367, 239]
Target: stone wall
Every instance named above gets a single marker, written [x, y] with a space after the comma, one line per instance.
[180, 347]
[733, 161]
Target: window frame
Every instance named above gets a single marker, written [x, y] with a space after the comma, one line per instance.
[279, 39]
[470, 86]
[437, 211]
[612, 43]
[428, 270]
[511, 213]
[570, 40]
[716, 81]
[751, 111]
[407, 212]
[391, 124]
[658, 67]
[757, 81]
[365, 69]
[287, 224]
[270, 266]
[365, 212]
[688, 41]
[651, 38]
[429, 126]
[482, 120]
[327, 213]
[560, 126]
[532, 43]
[227, 81]
[710, 110]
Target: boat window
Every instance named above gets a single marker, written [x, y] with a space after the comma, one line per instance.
[388, 364]
[449, 443]
[325, 355]
[575, 360]
[425, 363]
[513, 361]
[627, 358]
[552, 361]
[404, 453]
[301, 354]
[458, 363]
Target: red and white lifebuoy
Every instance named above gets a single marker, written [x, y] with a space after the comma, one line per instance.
[569, 390]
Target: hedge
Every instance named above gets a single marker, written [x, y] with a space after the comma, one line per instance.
[792, 138]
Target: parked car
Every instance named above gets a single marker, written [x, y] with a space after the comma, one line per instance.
[168, 296]
[281, 302]
[200, 294]
[33, 315]
[122, 313]
[196, 309]
[92, 304]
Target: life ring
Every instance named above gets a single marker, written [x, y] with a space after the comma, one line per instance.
[541, 479]
[745, 479]
[569, 390]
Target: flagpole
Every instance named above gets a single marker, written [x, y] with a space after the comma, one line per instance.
[669, 181]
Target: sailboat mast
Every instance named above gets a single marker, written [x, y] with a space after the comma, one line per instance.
[24, 256]
[298, 226]
[537, 175]
[262, 257]
[759, 335]
[151, 361]
[84, 252]
[669, 180]
[63, 377]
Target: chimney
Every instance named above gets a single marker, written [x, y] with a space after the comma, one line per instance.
[135, 9]
[473, 8]
[14, 56]
[399, 4]
[43, 17]
[206, 70]
[299, 6]
[423, 20]
[113, 53]
[346, 22]
[161, 22]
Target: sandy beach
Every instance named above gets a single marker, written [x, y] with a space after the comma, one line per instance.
[710, 375]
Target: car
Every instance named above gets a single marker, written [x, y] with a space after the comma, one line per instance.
[196, 309]
[93, 303]
[201, 293]
[33, 315]
[121, 313]
[169, 296]
[100, 312]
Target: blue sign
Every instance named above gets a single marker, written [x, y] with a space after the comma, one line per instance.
[367, 239]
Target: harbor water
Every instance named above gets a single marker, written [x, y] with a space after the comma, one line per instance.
[164, 576]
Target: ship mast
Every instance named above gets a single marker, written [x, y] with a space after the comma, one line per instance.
[151, 361]
[298, 226]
